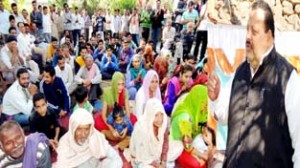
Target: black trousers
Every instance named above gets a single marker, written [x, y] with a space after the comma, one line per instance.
[200, 38]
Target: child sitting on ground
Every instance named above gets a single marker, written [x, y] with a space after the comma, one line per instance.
[81, 97]
[44, 119]
[120, 127]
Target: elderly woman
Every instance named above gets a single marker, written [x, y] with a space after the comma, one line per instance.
[149, 89]
[90, 77]
[153, 149]
[134, 76]
[83, 146]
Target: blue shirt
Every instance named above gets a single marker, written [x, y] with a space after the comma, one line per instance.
[57, 95]
[113, 65]
[120, 127]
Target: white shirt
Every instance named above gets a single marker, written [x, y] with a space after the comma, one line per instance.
[124, 21]
[15, 101]
[107, 24]
[220, 108]
[134, 25]
[68, 25]
[80, 76]
[4, 21]
[6, 58]
[204, 21]
[168, 34]
[25, 44]
[77, 25]
[19, 18]
[116, 24]
[47, 23]
[66, 75]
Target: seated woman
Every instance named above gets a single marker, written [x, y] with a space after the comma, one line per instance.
[117, 93]
[90, 77]
[177, 85]
[189, 113]
[154, 149]
[134, 76]
[148, 90]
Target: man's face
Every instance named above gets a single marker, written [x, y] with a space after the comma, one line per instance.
[54, 44]
[13, 142]
[125, 45]
[34, 5]
[13, 32]
[40, 107]
[258, 39]
[113, 41]
[143, 44]
[45, 11]
[82, 134]
[67, 41]
[61, 64]
[12, 45]
[1, 5]
[24, 80]
[13, 22]
[158, 3]
[24, 13]
[89, 62]
[81, 40]
[100, 45]
[93, 41]
[108, 52]
[47, 78]
[15, 9]
[83, 52]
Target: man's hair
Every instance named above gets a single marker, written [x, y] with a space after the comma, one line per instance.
[82, 48]
[53, 39]
[60, 57]
[65, 4]
[100, 41]
[81, 93]
[37, 97]
[13, 5]
[11, 28]
[33, 2]
[11, 17]
[269, 19]
[18, 24]
[21, 71]
[49, 69]
[7, 125]
[45, 7]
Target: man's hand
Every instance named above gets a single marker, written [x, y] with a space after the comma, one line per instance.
[115, 133]
[62, 113]
[53, 143]
[213, 85]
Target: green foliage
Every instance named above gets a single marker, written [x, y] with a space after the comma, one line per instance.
[20, 3]
[60, 3]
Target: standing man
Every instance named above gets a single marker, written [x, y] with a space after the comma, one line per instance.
[77, 24]
[261, 104]
[157, 17]
[146, 22]
[18, 17]
[36, 17]
[4, 20]
[190, 15]
[68, 19]
[87, 24]
[116, 23]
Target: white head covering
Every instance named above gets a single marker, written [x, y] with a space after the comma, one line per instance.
[149, 148]
[71, 154]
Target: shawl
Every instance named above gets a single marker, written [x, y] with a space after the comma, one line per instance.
[70, 154]
[91, 73]
[135, 71]
[191, 110]
[149, 148]
[111, 95]
[31, 149]
[80, 61]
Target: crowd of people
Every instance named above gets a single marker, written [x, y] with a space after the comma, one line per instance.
[56, 113]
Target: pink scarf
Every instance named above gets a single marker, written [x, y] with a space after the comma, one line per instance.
[91, 74]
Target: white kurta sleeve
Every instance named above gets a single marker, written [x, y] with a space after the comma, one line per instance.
[292, 107]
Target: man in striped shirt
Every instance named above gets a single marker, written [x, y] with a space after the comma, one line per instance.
[20, 151]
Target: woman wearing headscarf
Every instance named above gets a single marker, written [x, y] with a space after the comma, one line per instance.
[83, 146]
[154, 149]
[134, 76]
[117, 93]
[149, 89]
[190, 112]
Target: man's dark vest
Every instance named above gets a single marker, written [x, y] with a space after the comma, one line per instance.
[258, 134]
